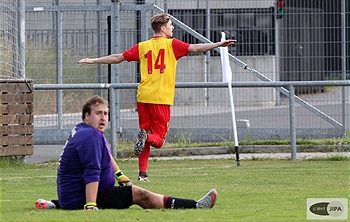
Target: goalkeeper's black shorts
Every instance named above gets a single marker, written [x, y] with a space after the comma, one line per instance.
[116, 197]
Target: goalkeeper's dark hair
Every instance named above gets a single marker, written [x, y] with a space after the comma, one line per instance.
[94, 100]
[158, 21]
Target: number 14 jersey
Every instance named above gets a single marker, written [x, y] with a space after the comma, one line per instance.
[158, 57]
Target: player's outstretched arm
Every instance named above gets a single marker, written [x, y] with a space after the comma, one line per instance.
[110, 59]
[204, 47]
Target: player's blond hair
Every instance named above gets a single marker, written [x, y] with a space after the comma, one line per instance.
[158, 21]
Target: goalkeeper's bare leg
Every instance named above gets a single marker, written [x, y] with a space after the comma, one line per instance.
[150, 200]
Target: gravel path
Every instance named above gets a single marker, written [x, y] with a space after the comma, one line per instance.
[245, 156]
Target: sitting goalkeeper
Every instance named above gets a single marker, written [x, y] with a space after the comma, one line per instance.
[87, 172]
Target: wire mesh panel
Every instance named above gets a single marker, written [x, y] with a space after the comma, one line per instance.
[11, 63]
[55, 41]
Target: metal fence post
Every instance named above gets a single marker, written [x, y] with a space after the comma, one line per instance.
[292, 122]
[99, 43]
[277, 53]
[207, 77]
[112, 112]
[59, 63]
[165, 6]
[21, 38]
[114, 93]
[343, 60]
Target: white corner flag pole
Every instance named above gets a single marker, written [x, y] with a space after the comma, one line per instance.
[227, 77]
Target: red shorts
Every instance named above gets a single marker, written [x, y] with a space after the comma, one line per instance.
[154, 117]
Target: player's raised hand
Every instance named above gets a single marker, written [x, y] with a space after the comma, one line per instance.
[85, 61]
[228, 42]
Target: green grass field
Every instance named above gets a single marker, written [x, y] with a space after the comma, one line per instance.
[258, 190]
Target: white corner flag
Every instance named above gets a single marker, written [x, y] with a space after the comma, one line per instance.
[227, 77]
[225, 63]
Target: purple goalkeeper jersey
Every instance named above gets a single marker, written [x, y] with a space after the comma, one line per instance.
[85, 158]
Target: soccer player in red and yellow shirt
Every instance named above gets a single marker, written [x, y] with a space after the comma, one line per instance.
[158, 57]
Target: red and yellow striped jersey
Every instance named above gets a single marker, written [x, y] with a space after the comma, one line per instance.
[158, 57]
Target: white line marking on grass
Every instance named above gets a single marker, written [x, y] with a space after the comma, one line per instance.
[24, 178]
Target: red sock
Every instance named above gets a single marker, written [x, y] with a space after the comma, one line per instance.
[165, 199]
[143, 158]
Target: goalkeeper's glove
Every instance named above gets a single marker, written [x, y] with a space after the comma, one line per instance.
[122, 179]
[90, 206]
